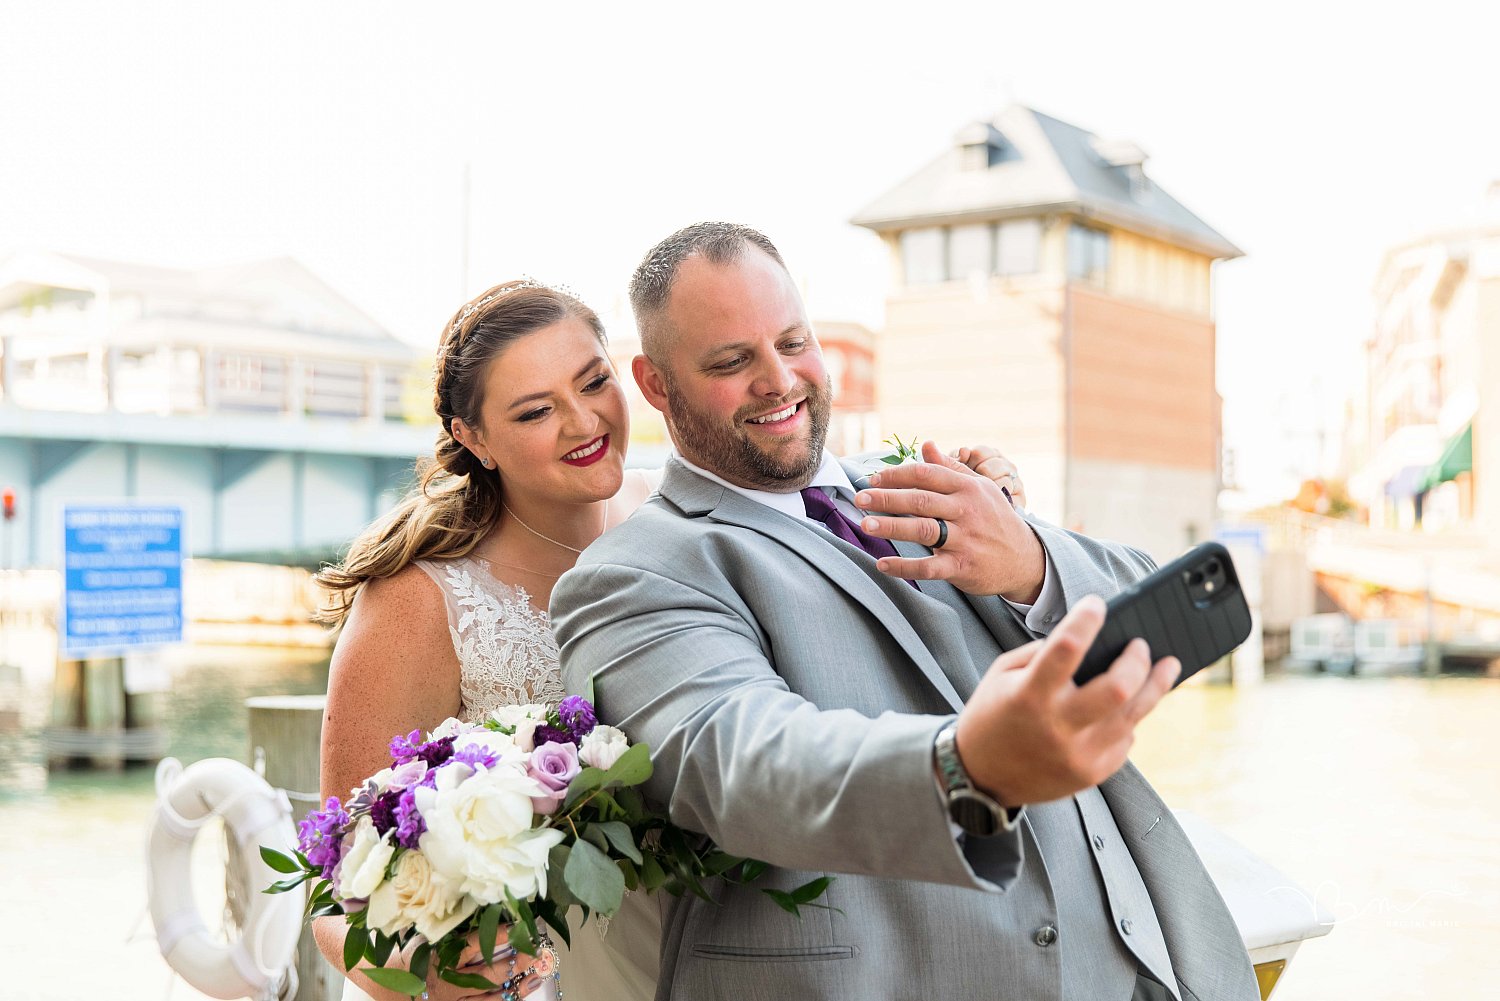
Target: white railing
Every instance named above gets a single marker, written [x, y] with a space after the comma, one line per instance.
[178, 379]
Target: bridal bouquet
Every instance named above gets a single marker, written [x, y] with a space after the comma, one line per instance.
[512, 821]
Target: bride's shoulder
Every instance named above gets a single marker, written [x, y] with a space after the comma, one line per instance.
[404, 608]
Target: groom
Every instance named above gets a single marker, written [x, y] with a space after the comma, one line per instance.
[808, 706]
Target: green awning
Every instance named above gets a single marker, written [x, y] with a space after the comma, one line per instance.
[1457, 457]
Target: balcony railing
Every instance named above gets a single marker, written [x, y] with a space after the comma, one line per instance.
[175, 379]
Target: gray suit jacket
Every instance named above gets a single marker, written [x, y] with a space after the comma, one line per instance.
[790, 693]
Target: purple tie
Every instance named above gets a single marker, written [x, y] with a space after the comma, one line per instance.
[821, 508]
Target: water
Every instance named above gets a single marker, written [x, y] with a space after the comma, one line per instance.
[72, 843]
[1380, 796]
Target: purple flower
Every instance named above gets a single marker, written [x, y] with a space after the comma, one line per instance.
[409, 823]
[475, 756]
[549, 734]
[404, 749]
[383, 811]
[553, 765]
[578, 716]
[320, 835]
[435, 752]
[411, 748]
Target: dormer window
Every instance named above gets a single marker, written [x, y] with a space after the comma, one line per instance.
[980, 147]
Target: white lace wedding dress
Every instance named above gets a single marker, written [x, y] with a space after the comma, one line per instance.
[507, 655]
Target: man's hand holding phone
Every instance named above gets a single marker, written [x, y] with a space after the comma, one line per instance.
[1029, 734]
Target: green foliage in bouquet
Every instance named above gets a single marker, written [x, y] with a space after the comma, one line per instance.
[611, 843]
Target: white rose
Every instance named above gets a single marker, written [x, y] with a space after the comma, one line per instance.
[602, 747]
[364, 867]
[416, 895]
[479, 832]
[525, 720]
[449, 727]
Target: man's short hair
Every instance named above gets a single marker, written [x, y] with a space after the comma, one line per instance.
[651, 286]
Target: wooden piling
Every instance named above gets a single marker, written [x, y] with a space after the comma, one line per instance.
[285, 731]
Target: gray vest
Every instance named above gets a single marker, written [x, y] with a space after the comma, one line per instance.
[1092, 907]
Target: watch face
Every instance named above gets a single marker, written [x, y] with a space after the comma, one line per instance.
[975, 815]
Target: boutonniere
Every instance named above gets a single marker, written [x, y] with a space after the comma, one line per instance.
[906, 451]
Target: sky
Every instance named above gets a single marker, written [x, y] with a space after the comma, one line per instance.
[194, 134]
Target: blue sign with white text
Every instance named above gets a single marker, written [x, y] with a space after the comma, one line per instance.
[122, 578]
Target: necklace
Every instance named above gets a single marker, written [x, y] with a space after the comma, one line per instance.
[516, 566]
[545, 538]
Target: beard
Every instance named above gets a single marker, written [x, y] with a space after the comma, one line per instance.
[728, 450]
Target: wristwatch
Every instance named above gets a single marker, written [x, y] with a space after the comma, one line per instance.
[974, 811]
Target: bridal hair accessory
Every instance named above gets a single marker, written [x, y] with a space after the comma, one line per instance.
[548, 538]
[505, 289]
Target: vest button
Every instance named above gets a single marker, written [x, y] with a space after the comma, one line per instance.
[1125, 925]
[1046, 935]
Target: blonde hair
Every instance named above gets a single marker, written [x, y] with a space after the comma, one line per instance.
[456, 500]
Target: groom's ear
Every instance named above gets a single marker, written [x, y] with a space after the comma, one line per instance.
[649, 378]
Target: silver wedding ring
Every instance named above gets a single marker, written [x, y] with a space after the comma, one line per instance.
[942, 538]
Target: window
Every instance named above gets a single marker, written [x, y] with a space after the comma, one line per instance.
[1018, 247]
[922, 256]
[1088, 254]
[969, 251]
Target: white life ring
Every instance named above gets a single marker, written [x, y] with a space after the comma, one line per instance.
[260, 964]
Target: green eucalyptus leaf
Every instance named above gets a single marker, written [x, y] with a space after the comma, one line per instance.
[278, 861]
[631, 874]
[557, 885]
[633, 768]
[593, 836]
[652, 874]
[593, 879]
[632, 804]
[401, 981]
[620, 839]
[891, 460]
[586, 781]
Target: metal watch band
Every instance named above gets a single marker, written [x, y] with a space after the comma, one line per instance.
[971, 809]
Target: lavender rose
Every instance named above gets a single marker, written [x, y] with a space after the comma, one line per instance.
[553, 765]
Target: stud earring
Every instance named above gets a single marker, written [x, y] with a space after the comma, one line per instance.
[486, 463]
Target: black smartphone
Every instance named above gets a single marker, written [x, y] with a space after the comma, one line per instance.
[1192, 609]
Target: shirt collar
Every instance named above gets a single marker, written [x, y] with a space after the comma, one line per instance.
[830, 474]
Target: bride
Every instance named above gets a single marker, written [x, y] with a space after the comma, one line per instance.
[443, 602]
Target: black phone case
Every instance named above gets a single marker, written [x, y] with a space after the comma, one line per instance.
[1163, 610]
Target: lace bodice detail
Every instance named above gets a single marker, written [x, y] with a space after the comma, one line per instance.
[507, 654]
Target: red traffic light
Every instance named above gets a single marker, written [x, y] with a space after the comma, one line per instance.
[8, 500]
